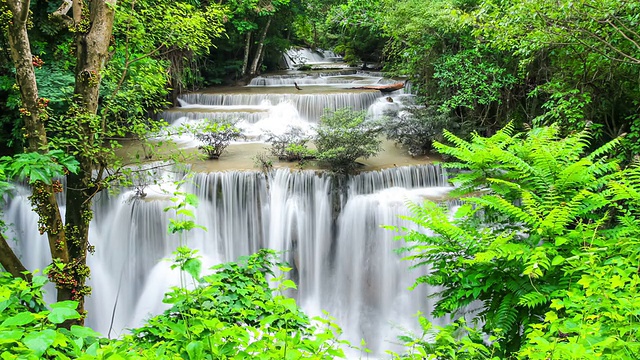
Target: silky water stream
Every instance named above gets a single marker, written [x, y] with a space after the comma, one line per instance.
[329, 230]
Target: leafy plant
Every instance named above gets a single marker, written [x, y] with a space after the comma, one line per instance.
[343, 136]
[418, 129]
[234, 313]
[542, 220]
[31, 331]
[290, 145]
[454, 341]
[262, 161]
[216, 137]
[35, 167]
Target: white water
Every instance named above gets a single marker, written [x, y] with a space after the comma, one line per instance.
[305, 56]
[329, 232]
[341, 258]
[272, 104]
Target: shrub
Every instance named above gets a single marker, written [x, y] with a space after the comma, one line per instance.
[344, 136]
[30, 331]
[417, 129]
[216, 137]
[290, 145]
[234, 313]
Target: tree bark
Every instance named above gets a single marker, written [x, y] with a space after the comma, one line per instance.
[93, 35]
[247, 48]
[25, 75]
[10, 261]
[258, 54]
[43, 196]
[68, 243]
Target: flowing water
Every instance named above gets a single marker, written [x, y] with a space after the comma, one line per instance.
[328, 228]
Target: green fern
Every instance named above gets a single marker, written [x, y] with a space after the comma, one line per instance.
[540, 207]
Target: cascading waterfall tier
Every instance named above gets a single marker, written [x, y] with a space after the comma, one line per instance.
[309, 106]
[271, 104]
[327, 228]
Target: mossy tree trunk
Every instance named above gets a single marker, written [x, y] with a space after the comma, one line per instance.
[92, 23]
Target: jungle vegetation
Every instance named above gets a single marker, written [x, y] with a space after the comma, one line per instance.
[545, 124]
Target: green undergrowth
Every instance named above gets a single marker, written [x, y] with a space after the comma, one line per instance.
[233, 313]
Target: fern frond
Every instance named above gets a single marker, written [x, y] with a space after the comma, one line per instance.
[605, 149]
[505, 207]
[533, 300]
[507, 314]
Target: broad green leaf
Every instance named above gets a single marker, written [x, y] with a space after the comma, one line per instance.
[19, 319]
[191, 199]
[561, 240]
[62, 311]
[557, 260]
[289, 284]
[195, 350]
[83, 331]
[617, 282]
[40, 341]
[193, 267]
[10, 336]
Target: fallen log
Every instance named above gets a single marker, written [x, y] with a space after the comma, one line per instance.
[382, 88]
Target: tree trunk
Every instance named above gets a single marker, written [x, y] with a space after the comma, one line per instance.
[68, 243]
[258, 54]
[93, 35]
[25, 75]
[10, 261]
[247, 48]
[43, 197]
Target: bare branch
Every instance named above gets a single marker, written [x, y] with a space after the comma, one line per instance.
[623, 33]
[62, 11]
[64, 8]
[77, 11]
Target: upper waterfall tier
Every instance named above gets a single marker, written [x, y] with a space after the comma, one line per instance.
[304, 56]
[309, 106]
[310, 94]
[321, 79]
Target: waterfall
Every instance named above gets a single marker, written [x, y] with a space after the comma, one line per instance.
[271, 104]
[328, 230]
[301, 56]
[310, 106]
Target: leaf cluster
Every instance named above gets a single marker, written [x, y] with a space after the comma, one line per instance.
[28, 330]
[290, 145]
[215, 136]
[343, 136]
[544, 240]
[234, 313]
[35, 167]
[418, 128]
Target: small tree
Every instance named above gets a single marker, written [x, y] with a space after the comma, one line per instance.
[344, 136]
[290, 145]
[216, 136]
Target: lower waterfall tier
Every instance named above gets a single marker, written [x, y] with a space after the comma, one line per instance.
[328, 230]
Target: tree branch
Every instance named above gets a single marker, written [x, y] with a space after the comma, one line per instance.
[62, 11]
[10, 261]
[623, 33]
